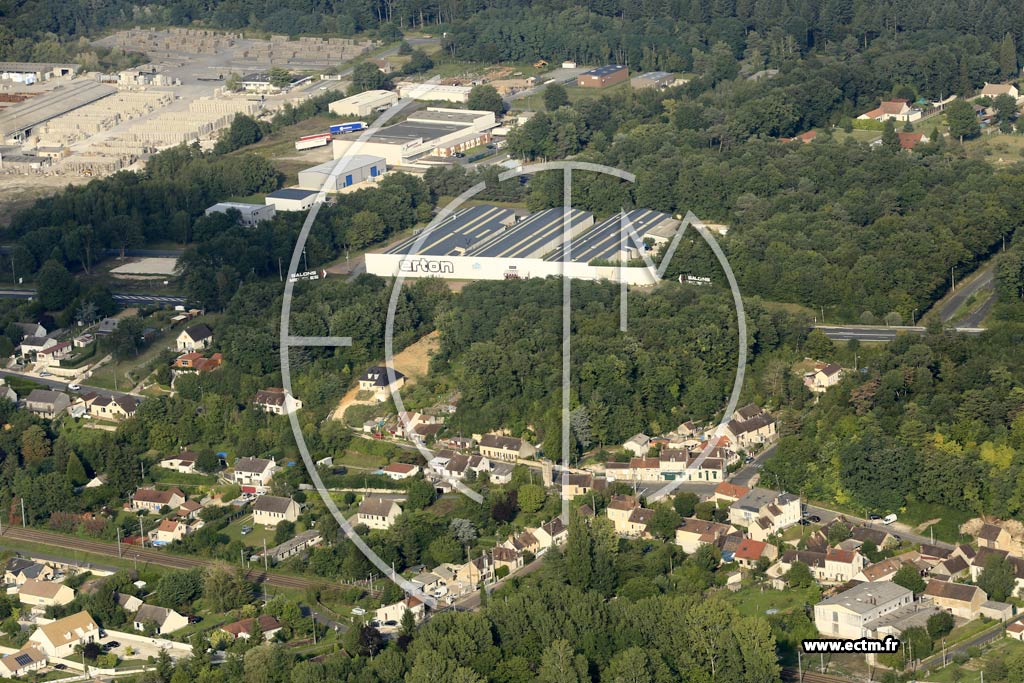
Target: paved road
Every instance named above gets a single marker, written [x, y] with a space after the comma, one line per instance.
[472, 601]
[161, 299]
[901, 530]
[61, 385]
[746, 474]
[935, 661]
[866, 332]
[981, 284]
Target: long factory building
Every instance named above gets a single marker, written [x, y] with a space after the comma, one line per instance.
[488, 242]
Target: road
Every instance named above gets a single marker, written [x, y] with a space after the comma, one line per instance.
[980, 284]
[130, 299]
[472, 601]
[901, 530]
[866, 332]
[745, 475]
[935, 661]
[150, 555]
[60, 385]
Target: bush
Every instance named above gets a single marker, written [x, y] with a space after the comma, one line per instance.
[230, 493]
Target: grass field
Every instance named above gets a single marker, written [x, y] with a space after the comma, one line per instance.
[946, 529]
[753, 601]
[363, 461]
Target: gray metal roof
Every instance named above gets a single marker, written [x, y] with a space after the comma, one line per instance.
[868, 596]
[532, 236]
[407, 131]
[604, 240]
[460, 232]
[291, 193]
[42, 108]
[604, 70]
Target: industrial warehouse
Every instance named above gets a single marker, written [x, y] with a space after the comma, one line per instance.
[488, 242]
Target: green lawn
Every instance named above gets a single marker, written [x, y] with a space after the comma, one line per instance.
[357, 460]
[162, 476]
[968, 630]
[753, 601]
[255, 538]
[946, 529]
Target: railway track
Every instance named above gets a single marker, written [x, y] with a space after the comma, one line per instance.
[793, 676]
[107, 549]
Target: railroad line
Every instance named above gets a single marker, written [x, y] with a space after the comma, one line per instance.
[107, 549]
[793, 676]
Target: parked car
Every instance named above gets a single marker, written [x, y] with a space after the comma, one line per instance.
[246, 530]
[358, 611]
[112, 644]
[194, 619]
[874, 518]
[889, 519]
[804, 522]
[60, 667]
[46, 374]
[391, 622]
[459, 155]
[74, 386]
[815, 519]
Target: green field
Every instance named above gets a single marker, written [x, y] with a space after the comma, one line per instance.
[946, 529]
[753, 601]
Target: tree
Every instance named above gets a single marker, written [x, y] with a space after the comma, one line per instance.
[76, 471]
[463, 531]
[799, 576]
[636, 665]
[579, 553]
[837, 533]
[940, 624]
[555, 96]
[179, 589]
[225, 588]
[284, 531]
[244, 130]
[1008, 57]
[367, 76]
[419, 495]
[408, 624]
[685, 503]
[486, 98]
[664, 522]
[997, 579]
[268, 663]
[890, 138]
[963, 123]
[57, 288]
[35, 445]
[558, 664]
[418, 62]
[531, 497]
[1006, 108]
[279, 77]
[207, 461]
[908, 577]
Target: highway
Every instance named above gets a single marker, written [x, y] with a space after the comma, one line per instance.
[882, 333]
[981, 284]
[129, 299]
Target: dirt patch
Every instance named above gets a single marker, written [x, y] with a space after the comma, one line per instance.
[19, 192]
[920, 528]
[414, 360]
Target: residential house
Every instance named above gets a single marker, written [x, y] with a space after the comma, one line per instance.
[637, 523]
[129, 603]
[506, 557]
[759, 429]
[59, 638]
[153, 500]
[959, 599]
[1015, 629]
[165, 620]
[376, 380]
[378, 513]
[31, 346]
[22, 662]
[169, 531]
[111, 407]
[196, 362]
[293, 546]
[19, 570]
[551, 534]
[576, 484]
[195, 338]
[823, 377]
[7, 392]
[693, 533]
[638, 445]
[54, 354]
[880, 537]
[846, 614]
[477, 570]
[400, 470]
[459, 465]
[108, 326]
[276, 401]
[729, 492]
[815, 561]
[950, 569]
[254, 474]
[896, 110]
[506, 448]
[764, 512]
[43, 594]
[391, 615]
[994, 90]
[750, 552]
[244, 628]
[272, 510]
[183, 463]
[31, 329]
[619, 510]
[842, 566]
[997, 537]
[97, 481]
[458, 443]
[46, 403]
[934, 553]
[909, 141]
[879, 571]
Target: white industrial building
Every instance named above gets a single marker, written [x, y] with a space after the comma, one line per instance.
[251, 214]
[487, 242]
[433, 92]
[356, 169]
[291, 199]
[435, 132]
[364, 103]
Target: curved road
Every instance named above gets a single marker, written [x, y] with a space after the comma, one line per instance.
[982, 283]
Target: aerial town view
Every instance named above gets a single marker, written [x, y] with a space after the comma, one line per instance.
[561, 342]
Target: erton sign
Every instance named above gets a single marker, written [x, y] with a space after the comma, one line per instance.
[424, 265]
